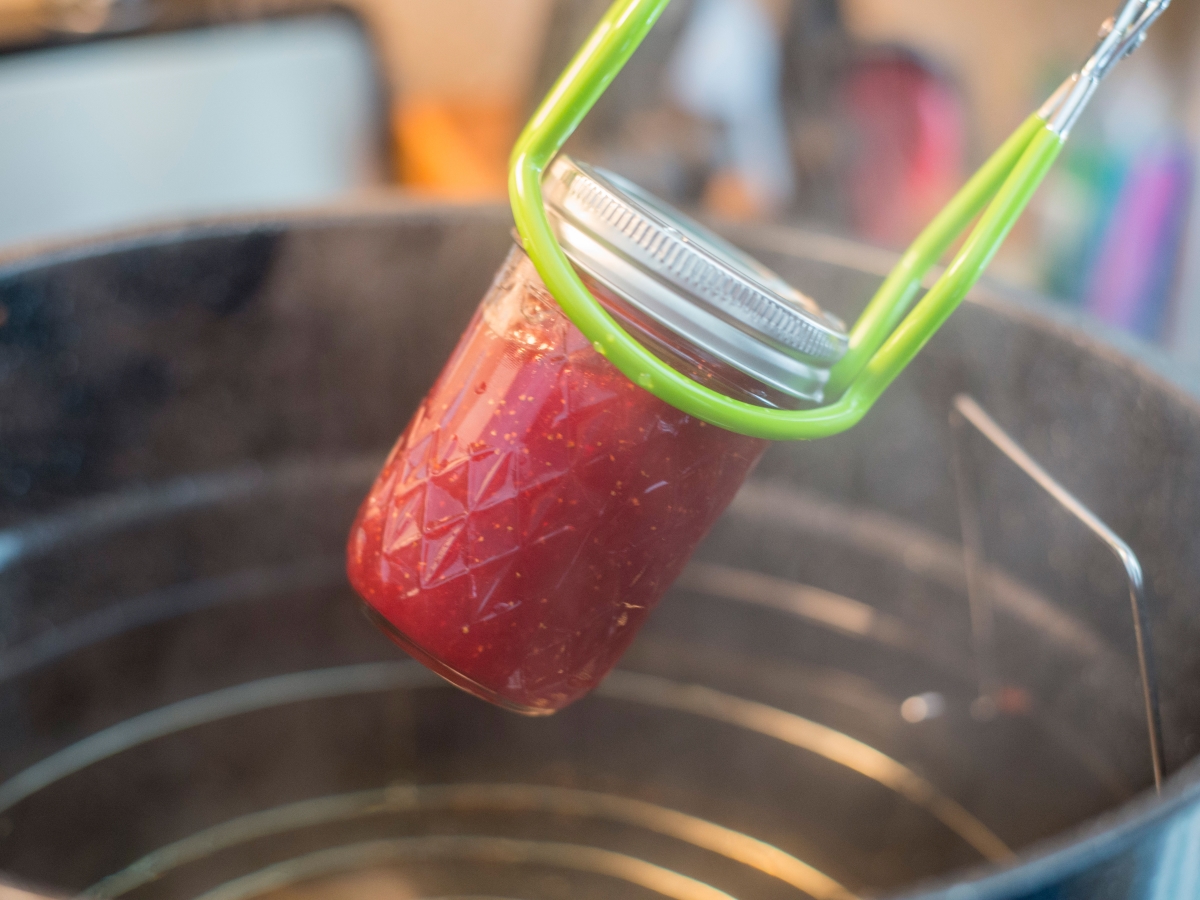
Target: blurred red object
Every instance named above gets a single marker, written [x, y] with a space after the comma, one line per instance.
[908, 126]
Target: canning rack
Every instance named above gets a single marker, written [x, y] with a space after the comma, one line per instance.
[968, 417]
[888, 334]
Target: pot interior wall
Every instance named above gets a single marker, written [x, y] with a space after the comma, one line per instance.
[192, 702]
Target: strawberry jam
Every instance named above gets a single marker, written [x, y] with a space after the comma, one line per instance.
[536, 508]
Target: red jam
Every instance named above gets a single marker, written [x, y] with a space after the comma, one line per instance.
[536, 508]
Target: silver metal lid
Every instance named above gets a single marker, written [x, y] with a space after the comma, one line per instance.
[691, 281]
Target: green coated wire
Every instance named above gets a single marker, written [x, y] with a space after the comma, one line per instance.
[894, 296]
[883, 341]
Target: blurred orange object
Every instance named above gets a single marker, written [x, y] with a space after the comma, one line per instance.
[21, 20]
[455, 149]
[460, 72]
[728, 196]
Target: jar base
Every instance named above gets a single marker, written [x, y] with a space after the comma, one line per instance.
[451, 675]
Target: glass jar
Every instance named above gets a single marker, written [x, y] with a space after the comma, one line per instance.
[539, 503]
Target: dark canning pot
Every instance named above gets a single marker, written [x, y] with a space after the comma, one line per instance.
[192, 703]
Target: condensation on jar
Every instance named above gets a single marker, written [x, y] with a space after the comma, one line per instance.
[539, 503]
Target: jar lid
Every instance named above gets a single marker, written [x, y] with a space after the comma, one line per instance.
[691, 281]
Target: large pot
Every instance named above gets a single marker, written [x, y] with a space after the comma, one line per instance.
[191, 702]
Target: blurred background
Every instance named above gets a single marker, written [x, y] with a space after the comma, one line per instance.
[856, 117]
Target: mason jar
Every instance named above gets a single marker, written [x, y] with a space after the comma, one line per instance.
[539, 503]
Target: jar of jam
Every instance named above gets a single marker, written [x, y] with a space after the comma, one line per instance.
[539, 503]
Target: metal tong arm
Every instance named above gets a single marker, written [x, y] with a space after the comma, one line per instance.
[885, 339]
[1012, 181]
[1121, 35]
[891, 302]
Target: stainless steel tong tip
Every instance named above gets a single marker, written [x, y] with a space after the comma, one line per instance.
[1120, 35]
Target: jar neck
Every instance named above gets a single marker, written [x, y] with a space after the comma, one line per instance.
[681, 354]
